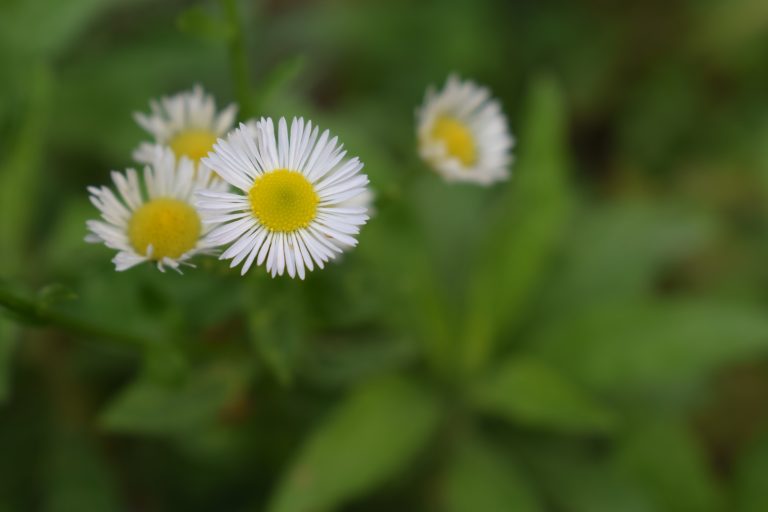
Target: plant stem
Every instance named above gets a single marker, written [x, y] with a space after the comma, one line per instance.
[238, 59]
[32, 311]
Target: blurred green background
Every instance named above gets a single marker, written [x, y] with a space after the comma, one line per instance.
[591, 336]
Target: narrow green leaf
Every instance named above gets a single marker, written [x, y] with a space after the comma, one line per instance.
[149, 406]
[667, 461]
[19, 175]
[534, 213]
[530, 392]
[79, 478]
[8, 340]
[197, 22]
[617, 251]
[479, 478]
[750, 481]
[277, 78]
[367, 440]
[662, 347]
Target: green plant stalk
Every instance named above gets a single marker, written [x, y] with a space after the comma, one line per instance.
[34, 312]
[238, 59]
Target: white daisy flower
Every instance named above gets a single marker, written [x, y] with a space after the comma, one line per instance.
[162, 225]
[289, 210]
[463, 134]
[186, 122]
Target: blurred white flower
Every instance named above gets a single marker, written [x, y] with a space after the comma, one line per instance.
[164, 226]
[289, 211]
[463, 134]
[186, 122]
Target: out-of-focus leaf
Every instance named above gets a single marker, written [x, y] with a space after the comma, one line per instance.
[43, 26]
[577, 481]
[148, 406]
[665, 459]
[278, 77]
[19, 175]
[277, 331]
[367, 440]
[617, 251]
[532, 393]
[751, 474]
[8, 337]
[54, 293]
[79, 479]
[197, 22]
[534, 213]
[479, 478]
[660, 347]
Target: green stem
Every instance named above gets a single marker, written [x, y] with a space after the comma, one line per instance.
[32, 311]
[238, 59]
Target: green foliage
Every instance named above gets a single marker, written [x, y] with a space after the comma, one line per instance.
[478, 478]
[660, 347]
[366, 441]
[546, 343]
[532, 393]
[156, 407]
[534, 211]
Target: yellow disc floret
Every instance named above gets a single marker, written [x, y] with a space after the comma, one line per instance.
[170, 226]
[284, 200]
[194, 144]
[457, 138]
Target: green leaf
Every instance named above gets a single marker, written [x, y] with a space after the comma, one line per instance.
[751, 472]
[479, 478]
[20, 173]
[277, 78]
[8, 341]
[660, 347]
[277, 330]
[367, 440]
[196, 21]
[79, 478]
[577, 480]
[535, 211]
[530, 392]
[149, 406]
[667, 461]
[618, 251]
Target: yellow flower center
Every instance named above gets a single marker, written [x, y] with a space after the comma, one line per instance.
[457, 139]
[284, 200]
[170, 226]
[194, 144]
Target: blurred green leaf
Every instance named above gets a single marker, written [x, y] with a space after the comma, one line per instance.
[521, 244]
[54, 293]
[530, 392]
[750, 479]
[8, 341]
[149, 406]
[79, 478]
[42, 27]
[198, 22]
[277, 329]
[20, 173]
[617, 252]
[479, 478]
[577, 480]
[368, 439]
[667, 461]
[278, 77]
[662, 346]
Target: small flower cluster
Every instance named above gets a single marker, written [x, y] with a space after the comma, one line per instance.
[284, 196]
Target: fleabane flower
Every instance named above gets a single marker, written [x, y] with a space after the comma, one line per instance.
[156, 221]
[187, 122]
[289, 211]
[463, 134]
